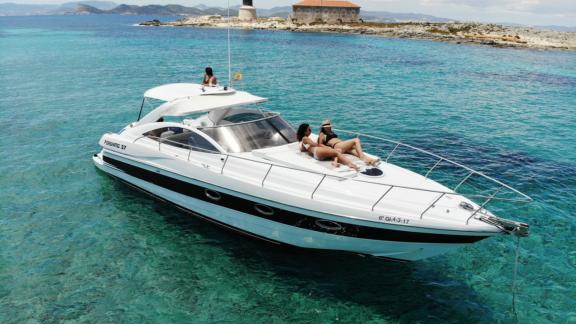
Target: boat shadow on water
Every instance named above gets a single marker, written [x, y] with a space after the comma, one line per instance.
[389, 290]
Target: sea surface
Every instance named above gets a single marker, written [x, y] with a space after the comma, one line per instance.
[78, 246]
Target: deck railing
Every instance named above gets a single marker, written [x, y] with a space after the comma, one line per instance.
[471, 172]
[497, 186]
[520, 197]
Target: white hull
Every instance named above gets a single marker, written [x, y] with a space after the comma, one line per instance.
[242, 167]
[261, 227]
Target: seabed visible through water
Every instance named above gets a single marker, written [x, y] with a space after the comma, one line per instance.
[79, 246]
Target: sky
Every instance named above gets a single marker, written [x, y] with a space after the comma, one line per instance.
[527, 12]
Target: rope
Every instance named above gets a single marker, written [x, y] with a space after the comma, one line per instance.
[514, 280]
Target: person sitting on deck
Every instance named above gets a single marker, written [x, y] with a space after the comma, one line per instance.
[320, 153]
[209, 78]
[327, 138]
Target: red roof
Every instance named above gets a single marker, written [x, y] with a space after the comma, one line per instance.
[326, 3]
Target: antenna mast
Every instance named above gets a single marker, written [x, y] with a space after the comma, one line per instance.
[229, 54]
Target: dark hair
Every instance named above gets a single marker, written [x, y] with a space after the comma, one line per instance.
[302, 131]
[209, 71]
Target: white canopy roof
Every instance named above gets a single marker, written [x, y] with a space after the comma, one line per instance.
[186, 106]
[186, 98]
[173, 91]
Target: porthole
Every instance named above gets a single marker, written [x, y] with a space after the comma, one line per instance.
[328, 225]
[264, 210]
[214, 195]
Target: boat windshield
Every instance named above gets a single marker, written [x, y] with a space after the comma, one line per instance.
[269, 131]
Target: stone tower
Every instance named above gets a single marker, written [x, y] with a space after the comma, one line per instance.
[247, 11]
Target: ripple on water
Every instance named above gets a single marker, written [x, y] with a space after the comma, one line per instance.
[79, 246]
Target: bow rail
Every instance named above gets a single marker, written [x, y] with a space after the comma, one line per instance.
[471, 172]
[225, 157]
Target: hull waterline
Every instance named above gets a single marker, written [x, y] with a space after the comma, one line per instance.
[280, 226]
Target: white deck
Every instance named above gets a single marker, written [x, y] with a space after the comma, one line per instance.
[286, 175]
[290, 155]
[406, 193]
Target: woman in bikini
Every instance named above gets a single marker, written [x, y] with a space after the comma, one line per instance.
[209, 78]
[320, 153]
[327, 138]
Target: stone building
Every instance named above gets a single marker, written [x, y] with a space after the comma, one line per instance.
[321, 11]
[247, 12]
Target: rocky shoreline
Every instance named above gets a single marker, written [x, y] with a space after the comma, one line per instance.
[455, 32]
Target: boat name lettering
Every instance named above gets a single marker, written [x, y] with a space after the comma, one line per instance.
[398, 220]
[116, 145]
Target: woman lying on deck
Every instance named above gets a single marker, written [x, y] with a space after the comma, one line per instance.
[327, 138]
[320, 153]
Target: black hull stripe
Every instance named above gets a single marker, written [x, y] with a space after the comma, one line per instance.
[203, 217]
[285, 216]
[248, 234]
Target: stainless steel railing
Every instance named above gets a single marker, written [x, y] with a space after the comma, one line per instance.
[522, 198]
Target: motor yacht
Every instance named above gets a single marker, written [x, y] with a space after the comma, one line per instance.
[217, 153]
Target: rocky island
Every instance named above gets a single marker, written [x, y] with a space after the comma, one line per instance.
[456, 32]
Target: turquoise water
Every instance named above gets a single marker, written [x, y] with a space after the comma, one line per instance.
[76, 245]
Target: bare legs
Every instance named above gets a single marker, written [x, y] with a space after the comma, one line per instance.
[323, 153]
[354, 147]
[345, 160]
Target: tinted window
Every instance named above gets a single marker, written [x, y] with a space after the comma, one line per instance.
[243, 117]
[284, 128]
[245, 137]
[182, 138]
[164, 132]
[199, 143]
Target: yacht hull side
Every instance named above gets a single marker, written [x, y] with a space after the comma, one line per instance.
[310, 232]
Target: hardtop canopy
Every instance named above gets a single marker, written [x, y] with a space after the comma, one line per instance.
[187, 98]
[173, 91]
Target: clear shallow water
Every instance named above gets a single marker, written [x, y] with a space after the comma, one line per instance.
[76, 245]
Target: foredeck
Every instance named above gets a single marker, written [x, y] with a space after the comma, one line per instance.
[400, 192]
